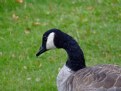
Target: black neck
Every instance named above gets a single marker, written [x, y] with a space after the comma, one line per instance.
[75, 59]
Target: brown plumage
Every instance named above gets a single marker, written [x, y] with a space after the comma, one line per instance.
[97, 78]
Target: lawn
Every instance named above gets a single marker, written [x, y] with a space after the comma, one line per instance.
[95, 24]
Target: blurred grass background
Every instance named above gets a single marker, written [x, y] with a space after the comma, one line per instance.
[95, 24]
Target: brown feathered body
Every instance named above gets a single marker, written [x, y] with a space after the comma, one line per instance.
[97, 78]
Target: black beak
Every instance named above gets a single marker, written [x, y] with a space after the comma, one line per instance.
[41, 50]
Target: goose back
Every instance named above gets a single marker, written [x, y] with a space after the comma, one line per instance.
[97, 78]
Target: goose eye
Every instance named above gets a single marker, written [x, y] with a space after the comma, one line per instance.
[44, 38]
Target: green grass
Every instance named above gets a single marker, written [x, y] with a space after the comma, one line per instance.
[95, 24]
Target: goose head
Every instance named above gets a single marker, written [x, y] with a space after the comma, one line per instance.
[52, 39]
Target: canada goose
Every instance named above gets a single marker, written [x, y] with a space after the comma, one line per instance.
[74, 75]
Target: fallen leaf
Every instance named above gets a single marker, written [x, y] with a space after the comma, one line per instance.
[27, 31]
[20, 1]
[36, 23]
[15, 17]
[90, 8]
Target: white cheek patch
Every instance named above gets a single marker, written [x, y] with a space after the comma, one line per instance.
[50, 41]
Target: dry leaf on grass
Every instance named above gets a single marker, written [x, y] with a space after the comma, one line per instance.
[36, 23]
[90, 8]
[20, 1]
[27, 31]
[15, 17]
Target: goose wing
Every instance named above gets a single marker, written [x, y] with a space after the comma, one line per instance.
[97, 78]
